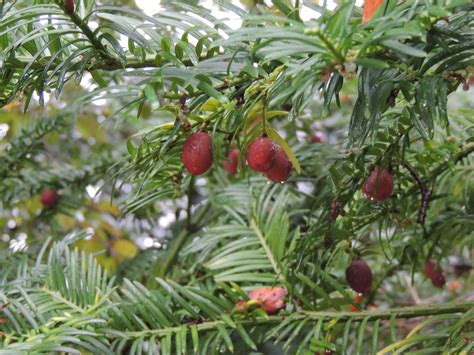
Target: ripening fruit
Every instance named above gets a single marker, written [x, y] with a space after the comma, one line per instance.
[359, 276]
[197, 153]
[69, 6]
[230, 164]
[435, 274]
[49, 198]
[270, 299]
[281, 169]
[370, 6]
[261, 154]
[379, 184]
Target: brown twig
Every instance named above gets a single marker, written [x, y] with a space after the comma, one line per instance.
[426, 192]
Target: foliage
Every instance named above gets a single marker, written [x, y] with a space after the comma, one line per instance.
[183, 70]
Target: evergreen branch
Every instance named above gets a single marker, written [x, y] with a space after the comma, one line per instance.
[267, 249]
[27, 141]
[29, 181]
[399, 313]
[464, 152]
[82, 25]
[21, 62]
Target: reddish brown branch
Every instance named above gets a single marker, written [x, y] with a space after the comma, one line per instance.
[425, 192]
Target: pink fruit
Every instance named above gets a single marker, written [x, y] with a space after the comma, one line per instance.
[270, 299]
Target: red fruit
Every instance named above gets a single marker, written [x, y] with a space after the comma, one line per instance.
[197, 153]
[270, 299]
[379, 184]
[69, 6]
[359, 276]
[429, 268]
[261, 154]
[318, 137]
[230, 164]
[281, 169]
[49, 198]
[434, 273]
[370, 6]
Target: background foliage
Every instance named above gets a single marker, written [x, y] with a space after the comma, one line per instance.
[97, 104]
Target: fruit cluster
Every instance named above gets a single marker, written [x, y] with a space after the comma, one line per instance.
[263, 156]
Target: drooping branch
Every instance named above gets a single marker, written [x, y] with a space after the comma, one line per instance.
[425, 190]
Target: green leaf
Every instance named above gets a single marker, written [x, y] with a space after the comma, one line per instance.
[98, 78]
[404, 49]
[372, 63]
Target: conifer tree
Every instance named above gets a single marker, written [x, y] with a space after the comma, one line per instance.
[277, 177]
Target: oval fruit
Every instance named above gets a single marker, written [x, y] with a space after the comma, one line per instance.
[359, 276]
[379, 184]
[281, 169]
[49, 198]
[197, 153]
[261, 154]
[69, 6]
[434, 273]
